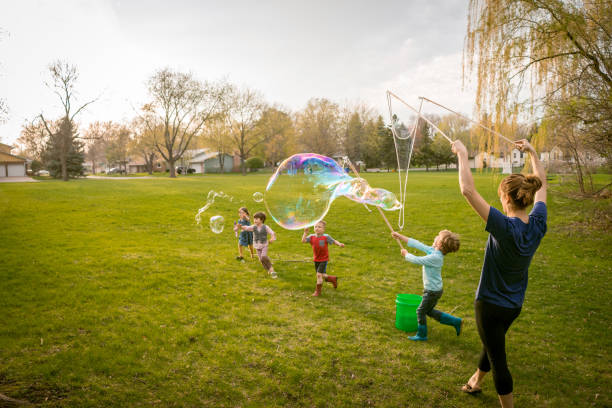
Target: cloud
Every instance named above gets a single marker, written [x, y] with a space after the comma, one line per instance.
[291, 51]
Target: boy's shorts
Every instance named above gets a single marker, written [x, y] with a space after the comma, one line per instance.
[321, 267]
[245, 238]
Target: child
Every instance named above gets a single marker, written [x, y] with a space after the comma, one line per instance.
[246, 237]
[446, 242]
[260, 235]
[319, 241]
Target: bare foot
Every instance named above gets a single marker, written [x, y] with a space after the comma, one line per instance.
[472, 386]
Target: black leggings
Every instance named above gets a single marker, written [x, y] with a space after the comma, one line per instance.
[493, 322]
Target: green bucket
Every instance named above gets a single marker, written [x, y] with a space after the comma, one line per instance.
[405, 311]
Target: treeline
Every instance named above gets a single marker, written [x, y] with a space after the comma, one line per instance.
[184, 113]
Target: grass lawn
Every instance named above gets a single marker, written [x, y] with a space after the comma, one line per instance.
[111, 295]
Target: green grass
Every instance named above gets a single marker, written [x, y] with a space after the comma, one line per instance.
[111, 295]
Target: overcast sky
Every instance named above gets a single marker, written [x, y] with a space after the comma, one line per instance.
[292, 51]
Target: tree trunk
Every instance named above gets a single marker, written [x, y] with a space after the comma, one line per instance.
[242, 166]
[150, 163]
[63, 163]
[221, 161]
[172, 169]
[64, 170]
[578, 171]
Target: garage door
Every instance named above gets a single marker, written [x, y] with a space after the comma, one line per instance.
[2, 170]
[16, 170]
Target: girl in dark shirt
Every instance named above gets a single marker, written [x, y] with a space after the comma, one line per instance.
[512, 242]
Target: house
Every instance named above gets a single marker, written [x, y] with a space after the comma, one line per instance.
[11, 165]
[139, 166]
[207, 161]
[506, 161]
[555, 154]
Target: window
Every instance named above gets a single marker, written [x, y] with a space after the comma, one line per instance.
[158, 165]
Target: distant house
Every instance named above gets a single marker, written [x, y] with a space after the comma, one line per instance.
[139, 166]
[505, 161]
[11, 165]
[207, 161]
[555, 154]
[557, 158]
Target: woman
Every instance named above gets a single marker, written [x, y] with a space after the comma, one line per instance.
[513, 239]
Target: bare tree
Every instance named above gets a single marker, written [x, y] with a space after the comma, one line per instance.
[216, 134]
[63, 79]
[3, 111]
[244, 109]
[33, 138]
[117, 142]
[143, 143]
[180, 107]
[95, 138]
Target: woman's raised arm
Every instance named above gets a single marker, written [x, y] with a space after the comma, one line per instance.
[466, 182]
[524, 146]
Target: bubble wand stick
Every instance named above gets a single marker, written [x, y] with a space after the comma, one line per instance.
[379, 209]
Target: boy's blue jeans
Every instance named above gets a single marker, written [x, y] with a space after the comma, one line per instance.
[426, 308]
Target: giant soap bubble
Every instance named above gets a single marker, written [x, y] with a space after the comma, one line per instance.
[303, 187]
[217, 223]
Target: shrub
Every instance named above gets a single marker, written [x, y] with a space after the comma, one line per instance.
[254, 163]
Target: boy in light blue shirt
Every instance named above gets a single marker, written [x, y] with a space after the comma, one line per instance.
[446, 242]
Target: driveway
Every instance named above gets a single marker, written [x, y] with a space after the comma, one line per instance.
[17, 180]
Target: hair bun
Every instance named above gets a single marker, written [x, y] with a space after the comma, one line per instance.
[526, 192]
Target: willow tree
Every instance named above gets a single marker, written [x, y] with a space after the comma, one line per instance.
[548, 59]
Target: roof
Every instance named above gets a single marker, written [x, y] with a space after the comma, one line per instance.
[205, 156]
[195, 152]
[10, 158]
[5, 148]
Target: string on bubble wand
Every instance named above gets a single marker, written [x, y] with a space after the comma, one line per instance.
[466, 118]
[450, 110]
[389, 93]
[401, 215]
[379, 209]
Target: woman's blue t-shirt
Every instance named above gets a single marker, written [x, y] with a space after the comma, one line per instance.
[509, 251]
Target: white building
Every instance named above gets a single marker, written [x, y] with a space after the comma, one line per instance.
[207, 161]
[505, 161]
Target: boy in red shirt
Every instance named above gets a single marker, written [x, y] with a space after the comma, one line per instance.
[319, 241]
